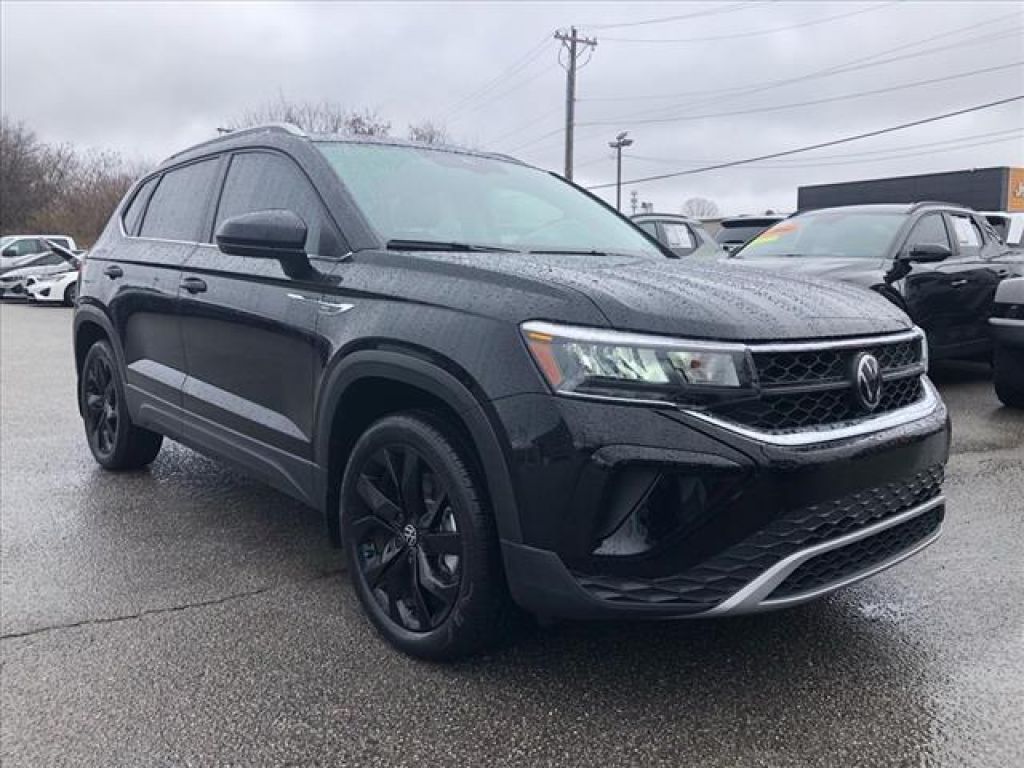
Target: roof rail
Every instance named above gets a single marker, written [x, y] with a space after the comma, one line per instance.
[289, 128]
[925, 203]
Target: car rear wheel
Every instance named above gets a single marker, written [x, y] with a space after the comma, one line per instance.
[1009, 376]
[421, 542]
[116, 443]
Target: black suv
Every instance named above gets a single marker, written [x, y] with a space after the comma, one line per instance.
[499, 392]
[939, 263]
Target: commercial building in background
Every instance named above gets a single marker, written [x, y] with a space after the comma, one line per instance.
[983, 189]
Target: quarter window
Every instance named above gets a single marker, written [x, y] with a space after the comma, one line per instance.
[179, 203]
[261, 181]
[133, 213]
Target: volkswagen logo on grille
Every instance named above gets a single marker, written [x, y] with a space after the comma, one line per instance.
[867, 381]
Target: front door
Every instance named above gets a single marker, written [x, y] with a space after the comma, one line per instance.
[249, 330]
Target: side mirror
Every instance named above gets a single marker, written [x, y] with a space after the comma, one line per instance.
[10, 253]
[274, 234]
[928, 252]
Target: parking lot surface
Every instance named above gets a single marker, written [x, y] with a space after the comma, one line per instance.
[187, 615]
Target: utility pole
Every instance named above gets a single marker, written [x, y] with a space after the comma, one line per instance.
[620, 142]
[575, 45]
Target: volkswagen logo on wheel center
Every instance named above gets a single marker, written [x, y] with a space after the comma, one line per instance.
[867, 381]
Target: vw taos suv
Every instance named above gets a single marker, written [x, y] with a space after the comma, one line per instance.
[499, 392]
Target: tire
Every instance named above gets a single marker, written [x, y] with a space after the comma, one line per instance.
[421, 541]
[71, 294]
[1009, 376]
[115, 442]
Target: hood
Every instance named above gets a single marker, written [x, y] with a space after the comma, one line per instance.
[694, 299]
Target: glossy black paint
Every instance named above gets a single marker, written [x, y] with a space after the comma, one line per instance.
[246, 359]
[950, 298]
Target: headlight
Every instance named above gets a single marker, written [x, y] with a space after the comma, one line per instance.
[590, 361]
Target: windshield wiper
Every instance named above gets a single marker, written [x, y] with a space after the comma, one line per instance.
[437, 245]
[570, 252]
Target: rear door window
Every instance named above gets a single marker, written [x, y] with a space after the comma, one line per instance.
[178, 207]
[968, 235]
[265, 181]
[677, 235]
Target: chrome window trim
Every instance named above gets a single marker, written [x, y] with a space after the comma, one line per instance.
[1008, 322]
[754, 596]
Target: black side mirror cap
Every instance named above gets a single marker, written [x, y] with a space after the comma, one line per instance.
[10, 253]
[927, 252]
[273, 234]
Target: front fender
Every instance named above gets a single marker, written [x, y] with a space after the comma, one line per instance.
[407, 369]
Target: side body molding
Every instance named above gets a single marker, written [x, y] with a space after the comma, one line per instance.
[417, 372]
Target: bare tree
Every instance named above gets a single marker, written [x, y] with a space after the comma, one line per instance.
[700, 208]
[315, 117]
[429, 132]
[57, 189]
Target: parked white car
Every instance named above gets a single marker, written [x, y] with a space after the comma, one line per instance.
[61, 288]
[16, 249]
[12, 281]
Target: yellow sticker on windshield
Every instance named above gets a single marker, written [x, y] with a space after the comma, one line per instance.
[772, 234]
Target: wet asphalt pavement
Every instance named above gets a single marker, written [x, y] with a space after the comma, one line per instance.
[186, 615]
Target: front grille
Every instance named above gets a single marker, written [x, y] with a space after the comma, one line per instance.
[703, 586]
[823, 365]
[801, 410]
[832, 567]
[813, 388]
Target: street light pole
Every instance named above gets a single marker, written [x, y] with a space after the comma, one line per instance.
[620, 142]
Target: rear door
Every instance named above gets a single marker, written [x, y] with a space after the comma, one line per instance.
[249, 329]
[977, 275]
[138, 276]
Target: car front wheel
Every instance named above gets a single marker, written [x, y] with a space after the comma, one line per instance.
[421, 542]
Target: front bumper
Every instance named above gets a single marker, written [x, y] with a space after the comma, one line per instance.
[769, 524]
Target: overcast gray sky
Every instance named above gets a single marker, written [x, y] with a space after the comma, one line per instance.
[147, 79]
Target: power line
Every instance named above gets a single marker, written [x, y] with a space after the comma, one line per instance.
[753, 33]
[880, 155]
[868, 62]
[832, 143]
[811, 102]
[844, 156]
[849, 66]
[514, 68]
[707, 12]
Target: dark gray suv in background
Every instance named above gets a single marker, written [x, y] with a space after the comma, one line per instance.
[500, 394]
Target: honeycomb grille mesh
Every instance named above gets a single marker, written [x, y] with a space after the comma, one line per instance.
[839, 564]
[807, 389]
[703, 586]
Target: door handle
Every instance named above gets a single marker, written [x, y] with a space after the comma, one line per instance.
[194, 285]
[113, 271]
[960, 283]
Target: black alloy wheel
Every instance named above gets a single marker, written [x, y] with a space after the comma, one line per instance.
[101, 405]
[421, 539]
[407, 541]
[116, 443]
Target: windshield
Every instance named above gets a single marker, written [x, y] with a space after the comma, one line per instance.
[832, 233]
[423, 195]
